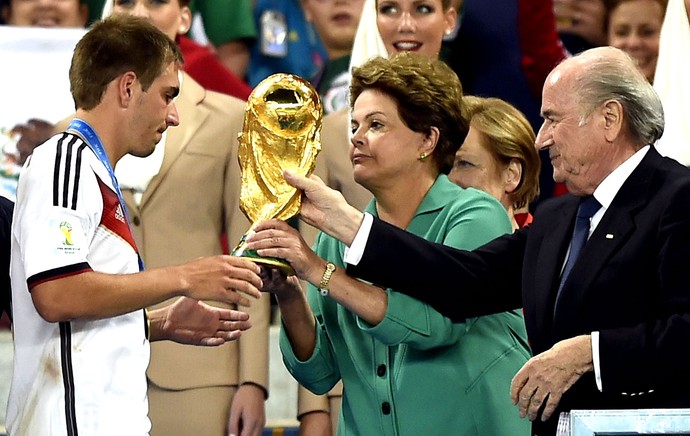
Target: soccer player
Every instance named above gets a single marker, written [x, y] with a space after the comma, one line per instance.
[81, 334]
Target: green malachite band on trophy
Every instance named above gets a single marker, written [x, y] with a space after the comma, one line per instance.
[242, 251]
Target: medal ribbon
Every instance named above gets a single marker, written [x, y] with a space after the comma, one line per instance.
[93, 141]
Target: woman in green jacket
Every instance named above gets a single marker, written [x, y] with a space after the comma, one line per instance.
[406, 369]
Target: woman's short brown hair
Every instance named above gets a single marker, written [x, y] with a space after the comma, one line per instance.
[427, 94]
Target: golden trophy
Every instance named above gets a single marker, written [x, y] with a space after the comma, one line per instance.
[281, 131]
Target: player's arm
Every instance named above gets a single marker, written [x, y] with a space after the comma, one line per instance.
[93, 295]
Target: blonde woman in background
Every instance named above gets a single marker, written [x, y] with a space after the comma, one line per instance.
[499, 157]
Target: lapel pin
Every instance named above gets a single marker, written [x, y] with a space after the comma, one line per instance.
[609, 236]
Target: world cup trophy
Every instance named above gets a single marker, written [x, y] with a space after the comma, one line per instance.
[281, 131]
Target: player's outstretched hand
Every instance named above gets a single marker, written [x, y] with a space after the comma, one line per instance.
[223, 278]
[193, 322]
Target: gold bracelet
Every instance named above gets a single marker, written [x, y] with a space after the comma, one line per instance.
[326, 278]
[147, 326]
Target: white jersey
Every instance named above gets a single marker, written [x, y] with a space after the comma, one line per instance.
[82, 377]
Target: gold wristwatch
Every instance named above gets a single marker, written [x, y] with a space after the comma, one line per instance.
[326, 278]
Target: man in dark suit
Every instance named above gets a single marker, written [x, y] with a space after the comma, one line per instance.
[615, 334]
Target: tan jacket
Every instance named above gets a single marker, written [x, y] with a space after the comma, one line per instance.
[182, 215]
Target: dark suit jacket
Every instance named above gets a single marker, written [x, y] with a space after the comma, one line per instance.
[631, 283]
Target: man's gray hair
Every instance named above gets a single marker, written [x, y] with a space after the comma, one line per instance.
[617, 78]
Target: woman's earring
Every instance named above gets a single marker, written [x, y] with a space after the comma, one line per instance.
[422, 156]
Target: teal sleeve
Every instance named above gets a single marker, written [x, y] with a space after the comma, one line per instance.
[466, 225]
[320, 372]
[226, 20]
[414, 323]
[482, 221]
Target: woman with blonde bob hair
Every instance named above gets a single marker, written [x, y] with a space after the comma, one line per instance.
[498, 156]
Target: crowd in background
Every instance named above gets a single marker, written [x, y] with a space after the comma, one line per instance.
[501, 51]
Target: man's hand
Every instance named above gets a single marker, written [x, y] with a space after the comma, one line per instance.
[546, 377]
[247, 412]
[220, 278]
[326, 208]
[193, 322]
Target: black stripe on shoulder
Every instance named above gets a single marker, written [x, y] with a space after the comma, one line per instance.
[68, 171]
[56, 273]
[77, 174]
[68, 377]
[56, 170]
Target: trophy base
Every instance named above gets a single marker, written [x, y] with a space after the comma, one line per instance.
[242, 251]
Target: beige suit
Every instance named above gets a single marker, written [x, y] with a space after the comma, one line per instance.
[334, 167]
[183, 213]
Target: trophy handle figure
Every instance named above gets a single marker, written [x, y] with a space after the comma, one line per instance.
[281, 131]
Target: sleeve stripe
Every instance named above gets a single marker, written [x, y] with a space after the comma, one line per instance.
[65, 178]
[64, 160]
[57, 273]
[77, 174]
[68, 377]
[68, 170]
[56, 171]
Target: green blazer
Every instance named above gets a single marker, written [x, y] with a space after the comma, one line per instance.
[416, 372]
